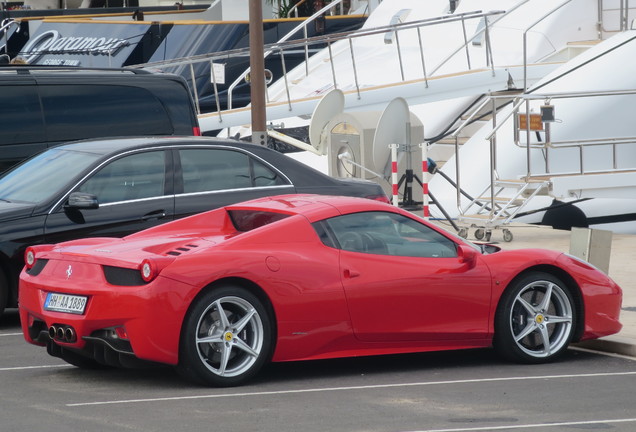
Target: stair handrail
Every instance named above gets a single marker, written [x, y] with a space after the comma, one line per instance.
[525, 41]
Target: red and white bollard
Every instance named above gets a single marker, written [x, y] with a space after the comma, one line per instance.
[425, 179]
[394, 173]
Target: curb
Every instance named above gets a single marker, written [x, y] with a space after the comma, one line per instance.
[615, 345]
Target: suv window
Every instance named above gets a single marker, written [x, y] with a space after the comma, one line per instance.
[80, 111]
[20, 115]
[218, 169]
[137, 176]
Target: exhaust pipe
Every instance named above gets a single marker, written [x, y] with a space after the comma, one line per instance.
[62, 333]
[69, 334]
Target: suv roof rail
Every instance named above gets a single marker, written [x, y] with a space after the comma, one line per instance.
[27, 68]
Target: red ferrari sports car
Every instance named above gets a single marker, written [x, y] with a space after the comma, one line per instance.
[299, 277]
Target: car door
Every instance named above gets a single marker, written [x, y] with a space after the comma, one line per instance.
[404, 281]
[134, 192]
[208, 178]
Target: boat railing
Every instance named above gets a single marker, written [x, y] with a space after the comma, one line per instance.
[485, 31]
[293, 11]
[302, 26]
[545, 120]
[525, 40]
[533, 113]
[348, 38]
[529, 122]
[623, 15]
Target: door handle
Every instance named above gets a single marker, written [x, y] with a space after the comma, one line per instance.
[350, 274]
[157, 214]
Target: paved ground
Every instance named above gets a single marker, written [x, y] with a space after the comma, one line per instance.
[622, 268]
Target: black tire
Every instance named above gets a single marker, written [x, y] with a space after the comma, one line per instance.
[531, 327]
[225, 339]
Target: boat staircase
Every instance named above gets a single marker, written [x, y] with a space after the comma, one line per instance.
[504, 199]
[498, 205]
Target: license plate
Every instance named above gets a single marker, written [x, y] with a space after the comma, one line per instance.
[65, 303]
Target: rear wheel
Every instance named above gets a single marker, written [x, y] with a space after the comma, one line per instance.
[535, 319]
[226, 338]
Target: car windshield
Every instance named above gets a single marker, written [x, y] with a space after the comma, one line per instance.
[44, 175]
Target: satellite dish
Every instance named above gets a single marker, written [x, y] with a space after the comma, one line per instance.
[392, 128]
[329, 106]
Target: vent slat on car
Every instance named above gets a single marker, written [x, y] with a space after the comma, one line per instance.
[177, 251]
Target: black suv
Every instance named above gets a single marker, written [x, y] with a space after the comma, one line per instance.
[114, 187]
[42, 106]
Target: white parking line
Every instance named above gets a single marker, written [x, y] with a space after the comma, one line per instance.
[10, 334]
[333, 389]
[604, 353]
[34, 367]
[532, 426]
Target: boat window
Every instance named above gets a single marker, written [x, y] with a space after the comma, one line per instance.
[385, 233]
[481, 26]
[398, 18]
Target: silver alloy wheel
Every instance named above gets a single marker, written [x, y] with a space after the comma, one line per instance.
[541, 319]
[229, 336]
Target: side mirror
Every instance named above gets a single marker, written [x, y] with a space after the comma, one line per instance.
[466, 254]
[81, 200]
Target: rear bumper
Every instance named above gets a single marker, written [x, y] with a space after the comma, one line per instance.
[117, 321]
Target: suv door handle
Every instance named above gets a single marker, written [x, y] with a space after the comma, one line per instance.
[157, 214]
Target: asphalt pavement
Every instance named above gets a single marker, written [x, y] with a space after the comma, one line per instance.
[622, 269]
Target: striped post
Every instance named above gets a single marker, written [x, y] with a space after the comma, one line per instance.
[394, 173]
[425, 179]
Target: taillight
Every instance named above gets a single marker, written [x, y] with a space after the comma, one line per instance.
[32, 252]
[196, 131]
[121, 333]
[29, 258]
[148, 270]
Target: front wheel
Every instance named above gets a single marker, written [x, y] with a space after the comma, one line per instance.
[226, 338]
[535, 319]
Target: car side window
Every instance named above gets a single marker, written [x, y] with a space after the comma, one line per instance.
[21, 117]
[138, 176]
[385, 233]
[83, 111]
[219, 169]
